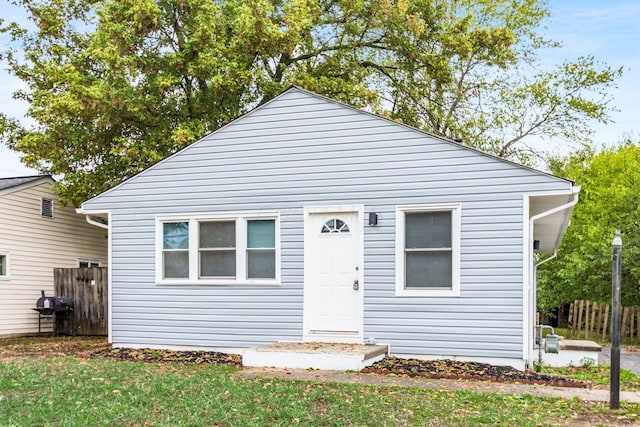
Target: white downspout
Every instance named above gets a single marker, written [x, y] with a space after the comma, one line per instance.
[96, 223]
[555, 254]
[533, 273]
[534, 290]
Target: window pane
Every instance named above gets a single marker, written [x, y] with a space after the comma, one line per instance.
[83, 264]
[176, 264]
[261, 264]
[428, 269]
[218, 263]
[342, 226]
[335, 226]
[218, 234]
[428, 230]
[3, 265]
[175, 235]
[261, 233]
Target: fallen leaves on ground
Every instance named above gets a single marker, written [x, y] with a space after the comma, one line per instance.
[152, 355]
[90, 347]
[452, 369]
[50, 346]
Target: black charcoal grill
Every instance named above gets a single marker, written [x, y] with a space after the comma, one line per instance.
[60, 309]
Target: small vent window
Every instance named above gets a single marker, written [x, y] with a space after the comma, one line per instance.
[47, 208]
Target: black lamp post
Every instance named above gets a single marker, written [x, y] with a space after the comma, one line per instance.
[614, 387]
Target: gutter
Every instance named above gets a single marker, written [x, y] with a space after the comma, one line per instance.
[91, 221]
[96, 223]
[560, 208]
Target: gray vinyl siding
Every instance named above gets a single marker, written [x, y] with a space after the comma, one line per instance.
[302, 150]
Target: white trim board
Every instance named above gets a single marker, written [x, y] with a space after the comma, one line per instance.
[7, 255]
[456, 221]
[240, 218]
[527, 278]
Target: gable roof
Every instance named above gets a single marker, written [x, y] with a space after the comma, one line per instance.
[11, 184]
[327, 99]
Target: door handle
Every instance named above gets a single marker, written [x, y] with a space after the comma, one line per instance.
[356, 285]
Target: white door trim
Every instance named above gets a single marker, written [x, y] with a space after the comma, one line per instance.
[351, 338]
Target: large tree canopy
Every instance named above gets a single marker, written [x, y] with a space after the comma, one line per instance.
[609, 200]
[114, 86]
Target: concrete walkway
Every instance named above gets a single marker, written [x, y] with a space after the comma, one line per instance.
[629, 360]
[595, 395]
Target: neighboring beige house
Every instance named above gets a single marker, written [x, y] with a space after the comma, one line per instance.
[37, 235]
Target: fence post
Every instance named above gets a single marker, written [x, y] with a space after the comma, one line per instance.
[605, 329]
[580, 318]
[594, 312]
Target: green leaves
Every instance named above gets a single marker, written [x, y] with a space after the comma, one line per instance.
[114, 86]
[609, 200]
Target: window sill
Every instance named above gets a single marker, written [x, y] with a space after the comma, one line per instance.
[217, 283]
[427, 292]
[6, 278]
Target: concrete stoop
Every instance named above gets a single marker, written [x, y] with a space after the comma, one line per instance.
[573, 353]
[314, 355]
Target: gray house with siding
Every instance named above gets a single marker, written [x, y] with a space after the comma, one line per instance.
[307, 219]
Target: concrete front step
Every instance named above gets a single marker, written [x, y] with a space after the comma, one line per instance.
[314, 355]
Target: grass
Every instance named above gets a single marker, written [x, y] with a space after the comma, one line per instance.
[67, 391]
[597, 375]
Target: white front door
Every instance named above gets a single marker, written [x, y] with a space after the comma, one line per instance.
[333, 275]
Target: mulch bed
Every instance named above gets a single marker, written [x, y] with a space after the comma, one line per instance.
[452, 369]
[150, 355]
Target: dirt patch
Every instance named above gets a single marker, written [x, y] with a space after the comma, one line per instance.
[50, 346]
[451, 369]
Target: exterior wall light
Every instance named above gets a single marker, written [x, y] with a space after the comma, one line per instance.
[373, 218]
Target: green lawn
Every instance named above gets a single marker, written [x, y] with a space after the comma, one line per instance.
[597, 375]
[67, 391]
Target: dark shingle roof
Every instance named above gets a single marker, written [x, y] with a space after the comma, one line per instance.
[19, 180]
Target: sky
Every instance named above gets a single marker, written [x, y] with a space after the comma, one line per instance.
[608, 30]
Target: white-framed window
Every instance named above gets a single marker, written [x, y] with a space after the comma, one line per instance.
[46, 207]
[218, 249]
[86, 262]
[5, 265]
[428, 250]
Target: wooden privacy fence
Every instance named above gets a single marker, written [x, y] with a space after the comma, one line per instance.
[592, 320]
[87, 288]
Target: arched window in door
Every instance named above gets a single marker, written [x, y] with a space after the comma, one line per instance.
[335, 225]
